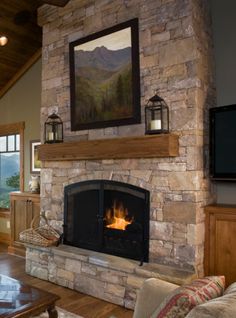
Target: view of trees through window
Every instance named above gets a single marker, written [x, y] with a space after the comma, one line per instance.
[9, 167]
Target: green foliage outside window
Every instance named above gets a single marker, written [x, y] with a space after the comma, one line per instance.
[13, 181]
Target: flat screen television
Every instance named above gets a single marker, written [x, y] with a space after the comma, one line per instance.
[223, 142]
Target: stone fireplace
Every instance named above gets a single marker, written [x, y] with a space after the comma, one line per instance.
[175, 58]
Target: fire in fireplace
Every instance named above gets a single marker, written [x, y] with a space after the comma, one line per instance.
[117, 217]
[107, 216]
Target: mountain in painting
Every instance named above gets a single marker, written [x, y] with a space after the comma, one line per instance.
[103, 58]
[103, 85]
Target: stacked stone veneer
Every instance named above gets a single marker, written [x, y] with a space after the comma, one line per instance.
[110, 278]
[175, 58]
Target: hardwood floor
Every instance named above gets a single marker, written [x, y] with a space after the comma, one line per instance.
[78, 303]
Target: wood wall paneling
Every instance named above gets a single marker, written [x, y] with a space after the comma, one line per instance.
[220, 252]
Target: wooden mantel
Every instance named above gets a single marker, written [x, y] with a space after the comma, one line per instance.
[148, 146]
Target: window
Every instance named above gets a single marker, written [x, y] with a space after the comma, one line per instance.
[9, 167]
[11, 161]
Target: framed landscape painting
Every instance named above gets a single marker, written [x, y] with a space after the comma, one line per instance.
[104, 78]
[35, 163]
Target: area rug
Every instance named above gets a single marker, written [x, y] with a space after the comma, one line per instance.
[61, 314]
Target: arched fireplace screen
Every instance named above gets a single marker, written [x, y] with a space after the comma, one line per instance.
[109, 217]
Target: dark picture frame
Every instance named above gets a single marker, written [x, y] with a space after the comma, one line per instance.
[35, 163]
[105, 78]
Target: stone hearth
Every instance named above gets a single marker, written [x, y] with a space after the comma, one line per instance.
[111, 278]
[175, 58]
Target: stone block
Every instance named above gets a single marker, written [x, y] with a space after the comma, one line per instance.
[194, 158]
[57, 208]
[185, 253]
[46, 189]
[176, 24]
[161, 37]
[179, 212]
[44, 258]
[112, 276]
[180, 233]
[165, 166]
[111, 298]
[60, 173]
[159, 181]
[27, 264]
[59, 261]
[71, 252]
[130, 298]
[159, 249]
[173, 197]
[32, 255]
[57, 191]
[72, 265]
[46, 175]
[161, 231]
[187, 180]
[178, 52]
[52, 267]
[141, 174]
[174, 70]
[116, 290]
[39, 272]
[52, 83]
[148, 61]
[63, 282]
[90, 10]
[195, 234]
[129, 164]
[89, 285]
[93, 165]
[89, 269]
[129, 303]
[59, 164]
[134, 281]
[65, 274]
[145, 37]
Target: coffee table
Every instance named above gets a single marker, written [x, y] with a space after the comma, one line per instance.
[20, 300]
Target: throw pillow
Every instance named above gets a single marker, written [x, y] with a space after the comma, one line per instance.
[179, 303]
[231, 289]
[220, 307]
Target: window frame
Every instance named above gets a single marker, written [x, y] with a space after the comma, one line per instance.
[13, 129]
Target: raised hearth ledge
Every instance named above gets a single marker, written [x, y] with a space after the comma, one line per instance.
[148, 146]
[104, 276]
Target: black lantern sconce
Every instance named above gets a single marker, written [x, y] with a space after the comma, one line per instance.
[156, 116]
[53, 129]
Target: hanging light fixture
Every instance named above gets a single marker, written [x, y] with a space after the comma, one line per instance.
[3, 40]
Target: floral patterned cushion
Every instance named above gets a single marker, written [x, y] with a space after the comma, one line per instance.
[179, 303]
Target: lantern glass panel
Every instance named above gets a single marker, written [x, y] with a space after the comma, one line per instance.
[165, 121]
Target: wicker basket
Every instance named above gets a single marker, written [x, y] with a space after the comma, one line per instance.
[44, 235]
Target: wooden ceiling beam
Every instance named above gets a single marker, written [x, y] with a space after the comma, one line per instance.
[58, 3]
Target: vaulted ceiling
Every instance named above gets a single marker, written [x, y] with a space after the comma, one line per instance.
[18, 21]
